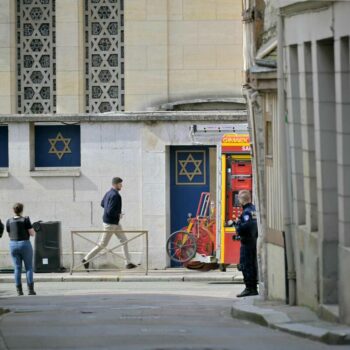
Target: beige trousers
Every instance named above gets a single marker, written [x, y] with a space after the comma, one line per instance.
[106, 237]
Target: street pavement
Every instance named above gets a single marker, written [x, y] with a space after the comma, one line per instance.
[135, 315]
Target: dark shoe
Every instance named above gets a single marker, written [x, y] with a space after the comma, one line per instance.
[130, 266]
[19, 290]
[31, 289]
[86, 264]
[247, 293]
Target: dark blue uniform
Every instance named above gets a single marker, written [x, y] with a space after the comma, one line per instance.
[247, 229]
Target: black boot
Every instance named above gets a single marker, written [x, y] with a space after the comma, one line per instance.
[19, 290]
[248, 292]
[86, 264]
[31, 289]
[130, 266]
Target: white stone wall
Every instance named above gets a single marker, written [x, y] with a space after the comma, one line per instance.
[276, 275]
[318, 99]
[135, 151]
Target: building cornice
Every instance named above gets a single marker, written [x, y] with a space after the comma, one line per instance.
[293, 7]
[239, 116]
[225, 100]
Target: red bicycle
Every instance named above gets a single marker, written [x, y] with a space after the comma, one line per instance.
[188, 245]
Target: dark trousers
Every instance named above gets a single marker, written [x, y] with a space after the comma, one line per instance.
[249, 265]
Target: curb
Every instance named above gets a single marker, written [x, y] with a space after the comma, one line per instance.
[308, 325]
[126, 278]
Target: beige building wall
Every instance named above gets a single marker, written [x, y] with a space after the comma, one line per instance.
[181, 49]
[174, 50]
[70, 56]
[7, 52]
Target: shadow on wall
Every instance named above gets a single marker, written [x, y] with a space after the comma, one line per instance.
[12, 183]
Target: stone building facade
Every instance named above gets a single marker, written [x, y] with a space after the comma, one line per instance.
[261, 92]
[164, 51]
[81, 82]
[316, 67]
[311, 130]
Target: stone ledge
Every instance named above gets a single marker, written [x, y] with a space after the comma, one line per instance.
[55, 172]
[299, 321]
[4, 172]
[239, 116]
[292, 7]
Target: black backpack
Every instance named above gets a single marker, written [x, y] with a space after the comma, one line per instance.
[1, 228]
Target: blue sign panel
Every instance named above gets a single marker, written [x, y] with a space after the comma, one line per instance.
[57, 146]
[4, 146]
[189, 177]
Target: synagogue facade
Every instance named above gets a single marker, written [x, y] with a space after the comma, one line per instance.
[92, 89]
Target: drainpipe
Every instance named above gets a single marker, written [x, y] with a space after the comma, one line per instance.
[255, 118]
[285, 166]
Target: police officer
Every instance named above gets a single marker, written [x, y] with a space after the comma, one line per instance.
[247, 229]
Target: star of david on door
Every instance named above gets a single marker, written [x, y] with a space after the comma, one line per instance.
[190, 168]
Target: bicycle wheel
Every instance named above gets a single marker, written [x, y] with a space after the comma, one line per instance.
[181, 246]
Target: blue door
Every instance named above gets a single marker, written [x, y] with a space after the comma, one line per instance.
[189, 177]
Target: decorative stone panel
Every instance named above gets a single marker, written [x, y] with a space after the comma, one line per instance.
[104, 55]
[36, 56]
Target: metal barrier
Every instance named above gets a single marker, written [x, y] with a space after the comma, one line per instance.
[106, 250]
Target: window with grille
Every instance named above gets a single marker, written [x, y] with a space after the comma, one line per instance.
[104, 55]
[36, 56]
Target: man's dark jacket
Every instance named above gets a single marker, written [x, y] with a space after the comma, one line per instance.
[112, 204]
[247, 226]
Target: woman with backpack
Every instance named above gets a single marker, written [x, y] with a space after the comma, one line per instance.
[20, 229]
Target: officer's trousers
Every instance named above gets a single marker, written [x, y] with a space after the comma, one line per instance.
[249, 265]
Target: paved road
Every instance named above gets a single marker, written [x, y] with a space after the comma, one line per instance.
[154, 316]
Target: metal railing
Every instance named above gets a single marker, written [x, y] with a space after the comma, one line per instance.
[105, 250]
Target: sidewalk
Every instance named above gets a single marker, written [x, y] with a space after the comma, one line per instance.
[175, 275]
[295, 320]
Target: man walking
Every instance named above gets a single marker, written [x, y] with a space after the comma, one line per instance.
[112, 205]
[247, 229]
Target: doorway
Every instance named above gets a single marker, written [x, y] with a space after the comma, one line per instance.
[192, 171]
